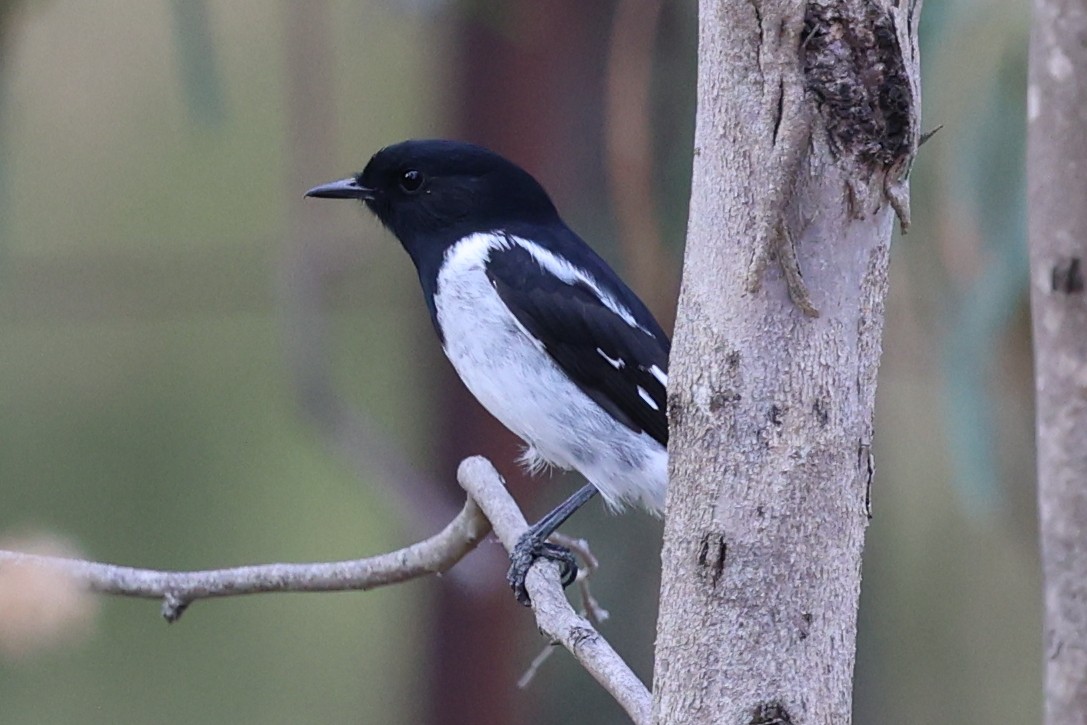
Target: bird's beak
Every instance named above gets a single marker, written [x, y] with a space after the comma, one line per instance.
[348, 188]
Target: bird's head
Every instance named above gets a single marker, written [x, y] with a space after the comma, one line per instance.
[433, 192]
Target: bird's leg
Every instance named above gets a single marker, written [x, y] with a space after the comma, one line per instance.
[533, 545]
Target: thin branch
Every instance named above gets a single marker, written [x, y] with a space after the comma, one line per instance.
[554, 615]
[537, 663]
[590, 607]
[178, 589]
[489, 504]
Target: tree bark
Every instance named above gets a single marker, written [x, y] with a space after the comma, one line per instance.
[807, 123]
[1057, 178]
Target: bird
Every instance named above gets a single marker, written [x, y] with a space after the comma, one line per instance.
[539, 328]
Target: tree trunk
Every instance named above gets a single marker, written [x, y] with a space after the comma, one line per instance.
[1057, 174]
[807, 124]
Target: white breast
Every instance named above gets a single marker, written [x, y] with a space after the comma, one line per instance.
[515, 379]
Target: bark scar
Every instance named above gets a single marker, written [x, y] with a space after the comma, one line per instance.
[581, 635]
[723, 399]
[712, 552]
[1067, 276]
[855, 69]
[783, 89]
[805, 625]
[867, 463]
[777, 413]
[771, 713]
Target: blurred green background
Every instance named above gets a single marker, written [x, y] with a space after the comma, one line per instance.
[197, 369]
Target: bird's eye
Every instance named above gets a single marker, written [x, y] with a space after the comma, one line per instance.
[411, 181]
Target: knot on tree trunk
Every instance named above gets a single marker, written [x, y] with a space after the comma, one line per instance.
[854, 66]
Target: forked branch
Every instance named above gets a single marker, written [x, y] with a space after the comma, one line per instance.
[489, 504]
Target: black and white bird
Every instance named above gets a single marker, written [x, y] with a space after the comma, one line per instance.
[540, 329]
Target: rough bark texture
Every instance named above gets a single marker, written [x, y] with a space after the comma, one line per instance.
[807, 124]
[1057, 173]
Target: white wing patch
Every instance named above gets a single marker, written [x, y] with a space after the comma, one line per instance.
[660, 375]
[616, 363]
[648, 400]
[474, 250]
[571, 274]
[508, 372]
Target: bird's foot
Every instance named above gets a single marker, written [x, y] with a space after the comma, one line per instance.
[528, 549]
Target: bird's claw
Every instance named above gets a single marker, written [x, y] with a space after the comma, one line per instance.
[527, 550]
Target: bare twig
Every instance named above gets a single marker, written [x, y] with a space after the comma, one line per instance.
[554, 615]
[534, 666]
[590, 607]
[178, 589]
[489, 504]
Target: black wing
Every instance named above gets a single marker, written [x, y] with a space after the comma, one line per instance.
[621, 366]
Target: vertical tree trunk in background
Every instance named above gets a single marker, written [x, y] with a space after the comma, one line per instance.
[808, 116]
[1057, 178]
[517, 88]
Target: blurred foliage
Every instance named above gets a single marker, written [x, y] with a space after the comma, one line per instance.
[200, 74]
[8, 13]
[147, 409]
[983, 250]
[950, 607]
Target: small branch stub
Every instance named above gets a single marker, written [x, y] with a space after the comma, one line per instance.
[178, 589]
